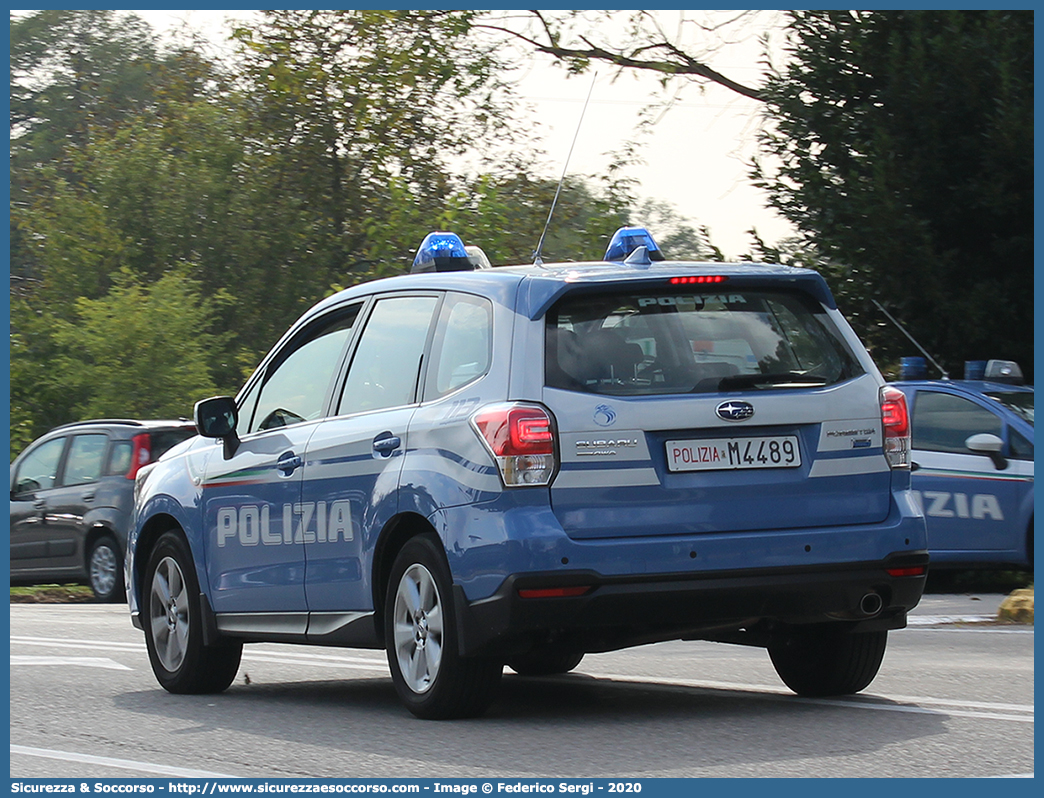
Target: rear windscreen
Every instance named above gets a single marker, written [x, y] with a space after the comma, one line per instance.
[665, 342]
[162, 441]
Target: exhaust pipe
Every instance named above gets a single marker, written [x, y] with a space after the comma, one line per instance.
[870, 605]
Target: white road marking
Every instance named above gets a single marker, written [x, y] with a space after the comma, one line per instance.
[324, 662]
[989, 711]
[1020, 713]
[941, 620]
[84, 662]
[54, 642]
[124, 764]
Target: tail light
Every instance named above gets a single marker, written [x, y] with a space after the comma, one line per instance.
[141, 453]
[895, 420]
[521, 439]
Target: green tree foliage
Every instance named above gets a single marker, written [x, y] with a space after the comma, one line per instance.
[905, 144]
[164, 237]
[898, 142]
[344, 104]
[506, 212]
[139, 351]
[73, 70]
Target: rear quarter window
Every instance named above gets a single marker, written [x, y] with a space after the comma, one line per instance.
[692, 342]
[463, 346]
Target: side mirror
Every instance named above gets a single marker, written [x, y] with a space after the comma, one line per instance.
[218, 417]
[990, 445]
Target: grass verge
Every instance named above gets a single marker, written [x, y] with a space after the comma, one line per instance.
[51, 594]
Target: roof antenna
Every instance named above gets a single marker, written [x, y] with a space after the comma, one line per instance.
[902, 329]
[537, 260]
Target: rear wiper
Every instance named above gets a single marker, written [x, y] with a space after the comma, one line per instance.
[789, 379]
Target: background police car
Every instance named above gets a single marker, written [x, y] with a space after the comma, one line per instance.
[977, 498]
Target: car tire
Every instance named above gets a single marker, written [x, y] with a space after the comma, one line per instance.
[828, 661]
[174, 625]
[105, 570]
[421, 636]
[544, 662]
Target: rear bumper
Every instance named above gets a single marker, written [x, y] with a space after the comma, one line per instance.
[620, 611]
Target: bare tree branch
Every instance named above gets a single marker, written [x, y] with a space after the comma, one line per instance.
[675, 62]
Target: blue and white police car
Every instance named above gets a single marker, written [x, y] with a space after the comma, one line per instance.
[972, 463]
[472, 467]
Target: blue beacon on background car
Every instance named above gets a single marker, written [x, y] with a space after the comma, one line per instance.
[471, 467]
[972, 461]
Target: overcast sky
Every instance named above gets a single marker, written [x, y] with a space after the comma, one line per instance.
[697, 157]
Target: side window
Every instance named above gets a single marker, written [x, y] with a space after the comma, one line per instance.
[86, 455]
[942, 422]
[40, 467]
[1021, 448]
[297, 380]
[119, 459]
[386, 363]
[463, 345]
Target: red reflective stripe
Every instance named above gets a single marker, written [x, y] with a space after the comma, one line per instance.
[554, 592]
[917, 570]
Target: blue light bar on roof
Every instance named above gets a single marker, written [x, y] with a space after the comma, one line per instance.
[441, 252]
[627, 239]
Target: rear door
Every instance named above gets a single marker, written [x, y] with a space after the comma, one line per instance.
[354, 459]
[689, 410]
[69, 502]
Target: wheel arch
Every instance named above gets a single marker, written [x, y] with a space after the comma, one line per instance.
[393, 537]
[99, 530]
[145, 542]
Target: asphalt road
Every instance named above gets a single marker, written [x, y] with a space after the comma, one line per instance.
[952, 700]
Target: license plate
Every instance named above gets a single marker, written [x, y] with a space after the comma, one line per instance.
[773, 451]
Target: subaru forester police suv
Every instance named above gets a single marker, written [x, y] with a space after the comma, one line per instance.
[471, 467]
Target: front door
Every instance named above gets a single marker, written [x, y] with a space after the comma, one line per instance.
[253, 515]
[969, 504]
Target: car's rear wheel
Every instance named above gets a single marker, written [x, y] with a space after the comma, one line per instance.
[544, 662]
[174, 625]
[430, 676]
[105, 571]
[827, 661]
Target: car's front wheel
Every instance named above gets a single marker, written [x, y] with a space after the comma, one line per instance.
[420, 634]
[827, 661]
[105, 571]
[174, 625]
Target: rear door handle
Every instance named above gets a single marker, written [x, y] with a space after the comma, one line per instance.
[288, 463]
[386, 444]
[87, 497]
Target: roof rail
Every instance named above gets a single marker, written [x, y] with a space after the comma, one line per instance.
[128, 421]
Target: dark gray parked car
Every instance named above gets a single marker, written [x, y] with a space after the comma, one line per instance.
[72, 493]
